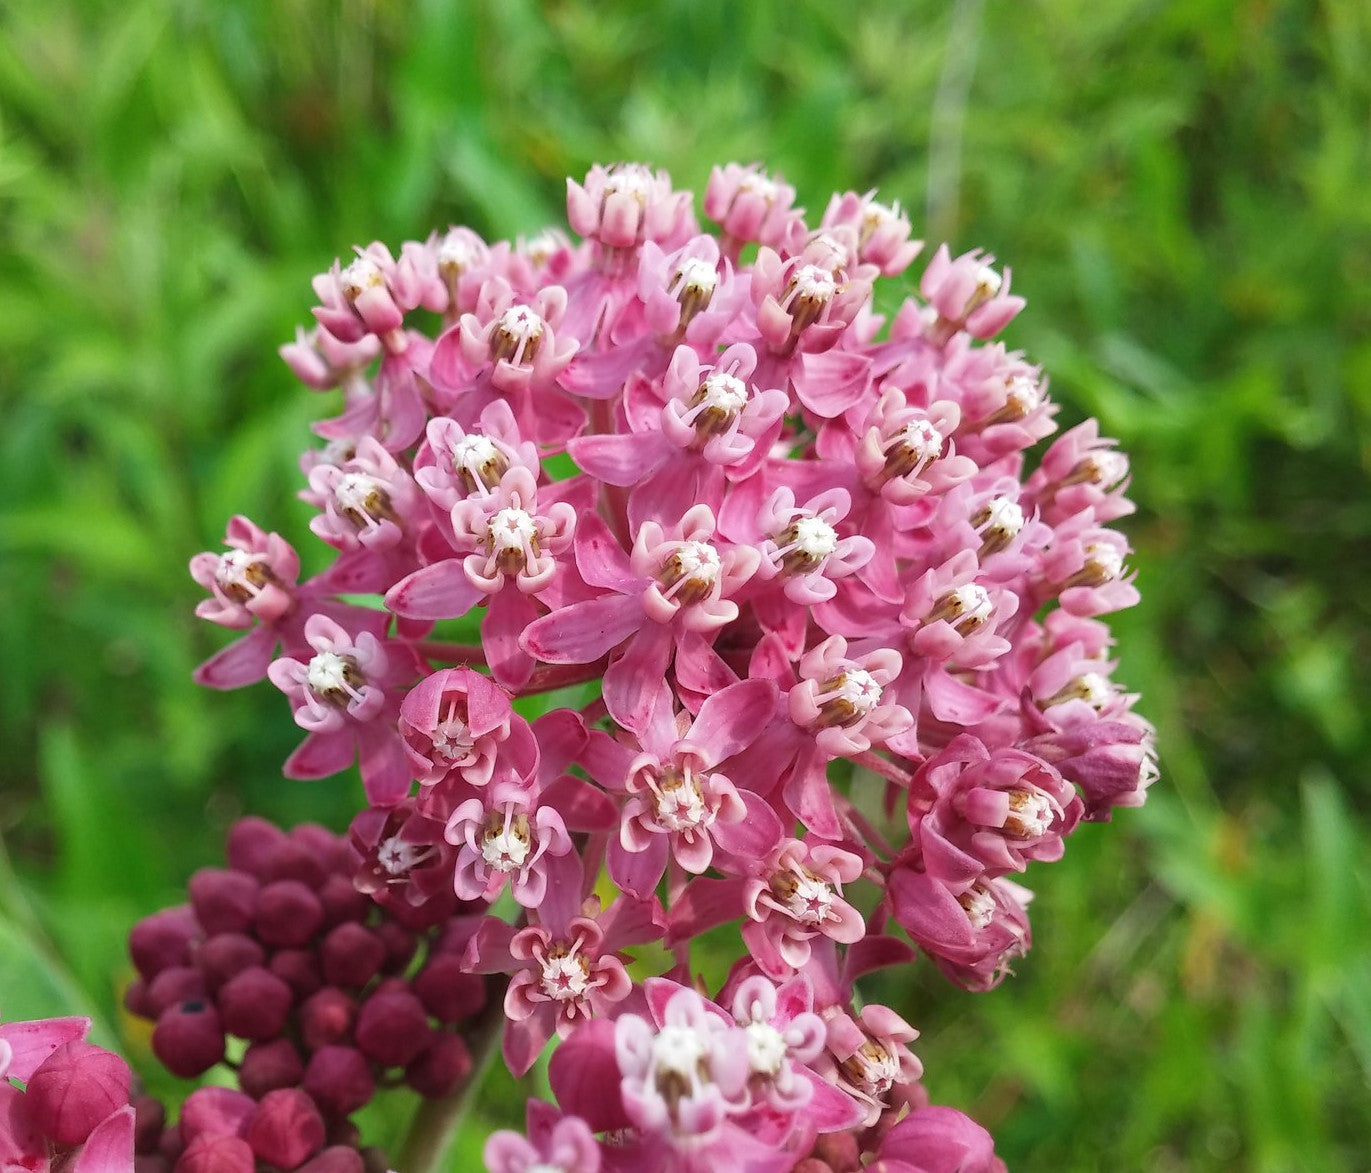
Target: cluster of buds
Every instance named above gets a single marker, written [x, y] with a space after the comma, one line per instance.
[804, 569]
[318, 994]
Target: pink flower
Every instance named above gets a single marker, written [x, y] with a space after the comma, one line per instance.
[882, 231]
[344, 697]
[751, 206]
[967, 294]
[623, 205]
[794, 895]
[556, 1144]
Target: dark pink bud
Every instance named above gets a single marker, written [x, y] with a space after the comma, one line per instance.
[171, 1144]
[440, 1068]
[400, 944]
[162, 939]
[75, 1088]
[447, 991]
[351, 955]
[291, 860]
[392, 1027]
[174, 985]
[151, 1163]
[224, 901]
[287, 1129]
[326, 1018]
[137, 999]
[216, 1154]
[342, 1131]
[342, 902]
[299, 969]
[267, 1066]
[319, 842]
[250, 844]
[149, 1119]
[288, 913]
[336, 1159]
[216, 1111]
[188, 1039]
[254, 1004]
[339, 1079]
[225, 955]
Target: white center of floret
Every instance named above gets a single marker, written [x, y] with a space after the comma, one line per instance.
[679, 802]
[721, 392]
[506, 844]
[330, 673]
[397, 857]
[631, 179]
[814, 283]
[678, 1051]
[566, 976]
[988, 283]
[1104, 560]
[521, 325]
[358, 277]
[814, 538]
[804, 896]
[697, 277]
[359, 496]
[979, 906]
[1003, 517]
[766, 1049]
[474, 451]
[1022, 396]
[512, 529]
[921, 440]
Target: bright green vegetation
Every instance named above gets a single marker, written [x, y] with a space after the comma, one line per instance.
[1182, 191]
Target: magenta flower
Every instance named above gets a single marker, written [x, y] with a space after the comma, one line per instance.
[343, 696]
[565, 970]
[556, 1144]
[751, 206]
[967, 294]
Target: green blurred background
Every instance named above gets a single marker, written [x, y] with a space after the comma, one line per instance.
[1184, 193]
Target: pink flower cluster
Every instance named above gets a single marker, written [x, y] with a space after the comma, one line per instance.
[803, 580]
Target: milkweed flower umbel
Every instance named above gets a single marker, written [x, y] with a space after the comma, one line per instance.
[783, 625]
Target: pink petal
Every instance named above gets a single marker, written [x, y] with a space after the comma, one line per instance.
[109, 1148]
[32, 1042]
[243, 662]
[321, 755]
[440, 591]
[583, 632]
[731, 720]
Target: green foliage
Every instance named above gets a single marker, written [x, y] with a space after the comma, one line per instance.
[1181, 191]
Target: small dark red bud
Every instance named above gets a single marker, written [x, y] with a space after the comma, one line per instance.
[440, 1068]
[171, 1144]
[216, 1111]
[254, 1004]
[149, 1119]
[162, 939]
[336, 1159]
[250, 844]
[392, 1027]
[299, 969]
[224, 901]
[216, 1154]
[351, 955]
[327, 1018]
[290, 860]
[342, 1131]
[227, 954]
[189, 1039]
[339, 1079]
[151, 1163]
[137, 1000]
[322, 844]
[267, 1066]
[288, 913]
[447, 991]
[75, 1088]
[400, 944]
[342, 902]
[174, 985]
[287, 1129]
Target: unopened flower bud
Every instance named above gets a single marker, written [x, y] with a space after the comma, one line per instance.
[269, 1065]
[336, 1158]
[326, 1018]
[287, 1129]
[174, 985]
[299, 969]
[339, 1079]
[352, 956]
[162, 939]
[254, 1004]
[224, 901]
[226, 954]
[215, 1111]
[440, 1068]
[448, 991]
[288, 913]
[216, 1154]
[189, 1039]
[392, 1027]
[75, 1088]
[250, 844]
